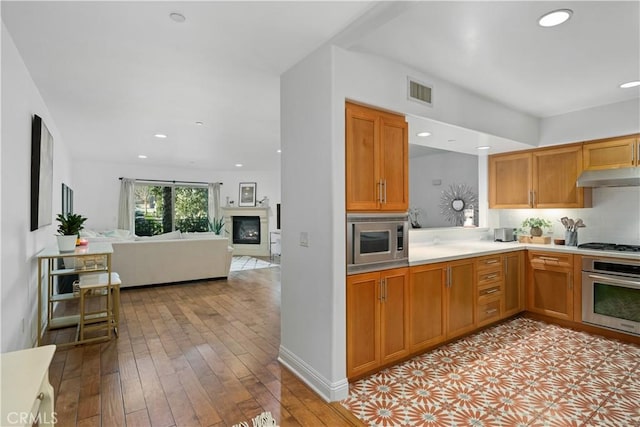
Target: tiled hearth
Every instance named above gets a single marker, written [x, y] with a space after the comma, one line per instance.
[519, 373]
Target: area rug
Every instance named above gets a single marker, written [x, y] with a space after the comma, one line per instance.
[263, 420]
[245, 262]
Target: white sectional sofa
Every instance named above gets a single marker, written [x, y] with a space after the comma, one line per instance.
[168, 258]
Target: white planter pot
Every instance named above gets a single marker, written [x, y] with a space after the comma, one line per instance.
[66, 243]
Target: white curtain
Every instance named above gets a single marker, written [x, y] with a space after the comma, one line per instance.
[214, 200]
[126, 207]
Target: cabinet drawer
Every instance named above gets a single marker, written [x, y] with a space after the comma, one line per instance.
[489, 310]
[488, 291]
[541, 260]
[489, 277]
[490, 262]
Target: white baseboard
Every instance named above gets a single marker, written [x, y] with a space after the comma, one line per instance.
[329, 391]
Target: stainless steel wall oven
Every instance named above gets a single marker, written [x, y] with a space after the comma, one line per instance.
[611, 293]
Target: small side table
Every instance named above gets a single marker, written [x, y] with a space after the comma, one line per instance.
[274, 239]
[27, 395]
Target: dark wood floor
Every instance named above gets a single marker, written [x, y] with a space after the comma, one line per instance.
[194, 354]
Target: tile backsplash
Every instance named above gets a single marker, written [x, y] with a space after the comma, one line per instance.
[614, 217]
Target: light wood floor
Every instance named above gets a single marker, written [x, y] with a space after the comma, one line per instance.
[195, 354]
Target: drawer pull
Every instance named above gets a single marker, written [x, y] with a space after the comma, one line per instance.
[490, 276]
[490, 261]
[491, 291]
[549, 258]
[493, 310]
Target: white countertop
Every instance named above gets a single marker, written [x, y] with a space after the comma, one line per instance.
[428, 253]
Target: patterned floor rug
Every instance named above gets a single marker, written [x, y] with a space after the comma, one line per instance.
[263, 420]
[245, 262]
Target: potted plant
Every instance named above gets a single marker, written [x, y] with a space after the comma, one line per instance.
[216, 225]
[535, 225]
[69, 230]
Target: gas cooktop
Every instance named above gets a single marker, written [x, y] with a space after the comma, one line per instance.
[609, 247]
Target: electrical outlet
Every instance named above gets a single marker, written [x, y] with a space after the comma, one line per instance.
[304, 239]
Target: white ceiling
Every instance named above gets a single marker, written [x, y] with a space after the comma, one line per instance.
[113, 74]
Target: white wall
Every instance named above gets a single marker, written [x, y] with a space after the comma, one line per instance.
[18, 267]
[449, 168]
[312, 324]
[97, 187]
[618, 119]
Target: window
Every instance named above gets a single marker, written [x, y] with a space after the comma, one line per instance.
[164, 208]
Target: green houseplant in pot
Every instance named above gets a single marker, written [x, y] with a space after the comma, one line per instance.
[69, 228]
[216, 226]
[535, 225]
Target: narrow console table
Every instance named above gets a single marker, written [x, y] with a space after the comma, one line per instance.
[94, 258]
[27, 396]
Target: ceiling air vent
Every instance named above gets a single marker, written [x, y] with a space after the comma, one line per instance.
[420, 92]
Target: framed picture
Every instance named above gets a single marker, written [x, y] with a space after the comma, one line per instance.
[41, 174]
[247, 194]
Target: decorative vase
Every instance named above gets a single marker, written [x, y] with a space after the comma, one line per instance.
[536, 231]
[67, 243]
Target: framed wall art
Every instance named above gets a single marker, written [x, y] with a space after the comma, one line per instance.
[41, 174]
[247, 194]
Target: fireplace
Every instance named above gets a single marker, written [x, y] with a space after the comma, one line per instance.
[246, 230]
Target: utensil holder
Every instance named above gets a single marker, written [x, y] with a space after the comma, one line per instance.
[571, 238]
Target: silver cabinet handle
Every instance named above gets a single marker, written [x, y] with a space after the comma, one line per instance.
[490, 261]
[380, 191]
[506, 266]
[534, 198]
[384, 286]
[529, 199]
[492, 290]
[490, 276]
[493, 310]
[549, 258]
[385, 191]
[616, 281]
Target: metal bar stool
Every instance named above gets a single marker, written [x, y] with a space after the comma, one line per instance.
[106, 316]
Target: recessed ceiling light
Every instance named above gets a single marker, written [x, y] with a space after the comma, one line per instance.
[238, 165]
[627, 85]
[424, 134]
[278, 151]
[199, 123]
[484, 147]
[160, 135]
[555, 17]
[177, 17]
[142, 156]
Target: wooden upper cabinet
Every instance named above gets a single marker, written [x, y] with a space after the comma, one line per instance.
[611, 153]
[544, 178]
[510, 180]
[555, 172]
[377, 160]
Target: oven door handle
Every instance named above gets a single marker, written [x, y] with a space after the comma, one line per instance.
[616, 281]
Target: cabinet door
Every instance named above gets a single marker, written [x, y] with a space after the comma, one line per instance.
[611, 153]
[510, 181]
[394, 343]
[555, 172]
[363, 318]
[426, 306]
[513, 283]
[550, 284]
[363, 186]
[461, 298]
[394, 161]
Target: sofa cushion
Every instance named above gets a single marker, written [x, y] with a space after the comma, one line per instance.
[173, 235]
[200, 235]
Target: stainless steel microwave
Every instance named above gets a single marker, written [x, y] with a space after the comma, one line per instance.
[376, 241]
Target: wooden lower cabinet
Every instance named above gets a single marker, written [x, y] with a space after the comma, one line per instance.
[427, 306]
[514, 278]
[550, 284]
[377, 319]
[461, 298]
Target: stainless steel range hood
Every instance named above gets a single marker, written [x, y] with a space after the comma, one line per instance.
[623, 177]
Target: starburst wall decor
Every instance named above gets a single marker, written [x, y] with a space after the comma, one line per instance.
[455, 200]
